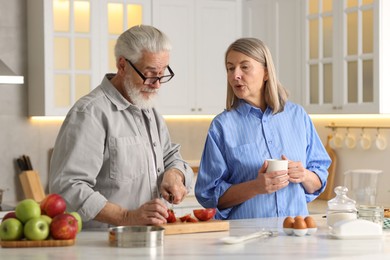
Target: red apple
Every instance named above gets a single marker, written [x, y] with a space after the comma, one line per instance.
[53, 205]
[64, 226]
[10, 214]
[204, 214]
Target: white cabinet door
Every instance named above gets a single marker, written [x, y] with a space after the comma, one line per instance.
[70, 47]
[200, 32]
[345, 59]
[278, 24]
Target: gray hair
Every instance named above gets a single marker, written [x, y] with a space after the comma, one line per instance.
[139, 38]
[274, 94]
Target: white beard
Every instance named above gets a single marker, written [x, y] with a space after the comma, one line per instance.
[136, 96]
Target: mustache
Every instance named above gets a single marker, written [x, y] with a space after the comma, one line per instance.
[150, 90]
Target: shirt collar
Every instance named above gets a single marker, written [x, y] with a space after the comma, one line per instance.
[114, 96]
[245, 108]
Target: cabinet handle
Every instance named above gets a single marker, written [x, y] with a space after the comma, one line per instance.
[337, 107]
[199, 109]
[192, 109]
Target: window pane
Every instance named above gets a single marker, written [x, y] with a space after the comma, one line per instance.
[314, 99]
[134, 15]
[115, 18]
[62, 90]
[313, 31]
[81, 16]
[82, 85]
[368, 32]
[367, 2]
[327, 6]
[82, 54]
[368, 81]
[61, 14]
[352, 3]
[61, 53]
[352, 36]
[111, 56]
[352, 82]
[328, 79]
[313, 7]
[328, 36]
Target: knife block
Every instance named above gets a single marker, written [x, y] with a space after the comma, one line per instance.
[32, 186]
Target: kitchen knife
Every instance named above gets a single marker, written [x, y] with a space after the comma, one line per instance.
[29, 165]
[27, 162]
[21, 164]
[171, 198]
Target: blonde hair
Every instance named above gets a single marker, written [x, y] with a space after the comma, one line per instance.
[274, 94]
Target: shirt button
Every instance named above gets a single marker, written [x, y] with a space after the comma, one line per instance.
[154, 144]
[270, 142]
[158, 170]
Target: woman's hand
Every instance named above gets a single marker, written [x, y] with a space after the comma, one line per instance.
[269, 182]
[298, 174]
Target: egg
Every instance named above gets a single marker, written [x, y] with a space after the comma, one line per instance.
[311, 225]
[288, 222]
[300, 227]
[299, 223]
[288, 225]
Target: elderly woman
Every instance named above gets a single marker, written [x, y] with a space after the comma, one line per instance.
[259, 123]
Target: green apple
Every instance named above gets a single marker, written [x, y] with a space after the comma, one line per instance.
[11, 229]
[47, 218]
[27, 209]
[79, 220]
[36, 229]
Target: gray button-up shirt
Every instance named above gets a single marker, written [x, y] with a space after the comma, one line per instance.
[108, 149]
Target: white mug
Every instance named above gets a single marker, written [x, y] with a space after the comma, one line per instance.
[365, 141]
[350, 141]
[277, 165]
[337, 140]
[380, 142]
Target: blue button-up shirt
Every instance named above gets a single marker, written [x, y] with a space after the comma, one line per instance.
[238, 143]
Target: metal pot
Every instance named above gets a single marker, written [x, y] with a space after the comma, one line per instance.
[136, 236]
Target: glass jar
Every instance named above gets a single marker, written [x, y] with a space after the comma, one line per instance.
[340, 207]
[372, 213]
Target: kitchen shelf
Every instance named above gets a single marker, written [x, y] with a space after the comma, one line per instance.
[334, 126]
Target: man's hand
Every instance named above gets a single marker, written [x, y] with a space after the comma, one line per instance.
[172, 187]
[153, 212]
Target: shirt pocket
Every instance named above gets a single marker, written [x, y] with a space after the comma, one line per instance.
[127, 158]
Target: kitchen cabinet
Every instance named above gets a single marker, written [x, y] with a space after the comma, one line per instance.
[277, 23]
[200, 32]
[345, 56]
[70, 47]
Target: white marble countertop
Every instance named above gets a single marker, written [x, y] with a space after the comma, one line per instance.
[94, 245]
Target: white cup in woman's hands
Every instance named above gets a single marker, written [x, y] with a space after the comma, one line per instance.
[277, 165]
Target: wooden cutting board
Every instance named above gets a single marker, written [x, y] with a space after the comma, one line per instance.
[42, 243]
[197, 227]
[328, 192]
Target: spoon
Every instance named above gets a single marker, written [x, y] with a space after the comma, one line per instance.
[239, 239]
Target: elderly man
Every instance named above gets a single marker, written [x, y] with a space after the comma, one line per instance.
[113, 159]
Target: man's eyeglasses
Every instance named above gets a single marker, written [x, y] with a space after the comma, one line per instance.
[152, 80]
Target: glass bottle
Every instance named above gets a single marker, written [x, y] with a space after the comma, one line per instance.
[340, 207]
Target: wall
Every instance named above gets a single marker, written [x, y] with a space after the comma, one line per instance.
[21, 135]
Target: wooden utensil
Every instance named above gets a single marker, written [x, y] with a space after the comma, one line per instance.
[328, 192]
